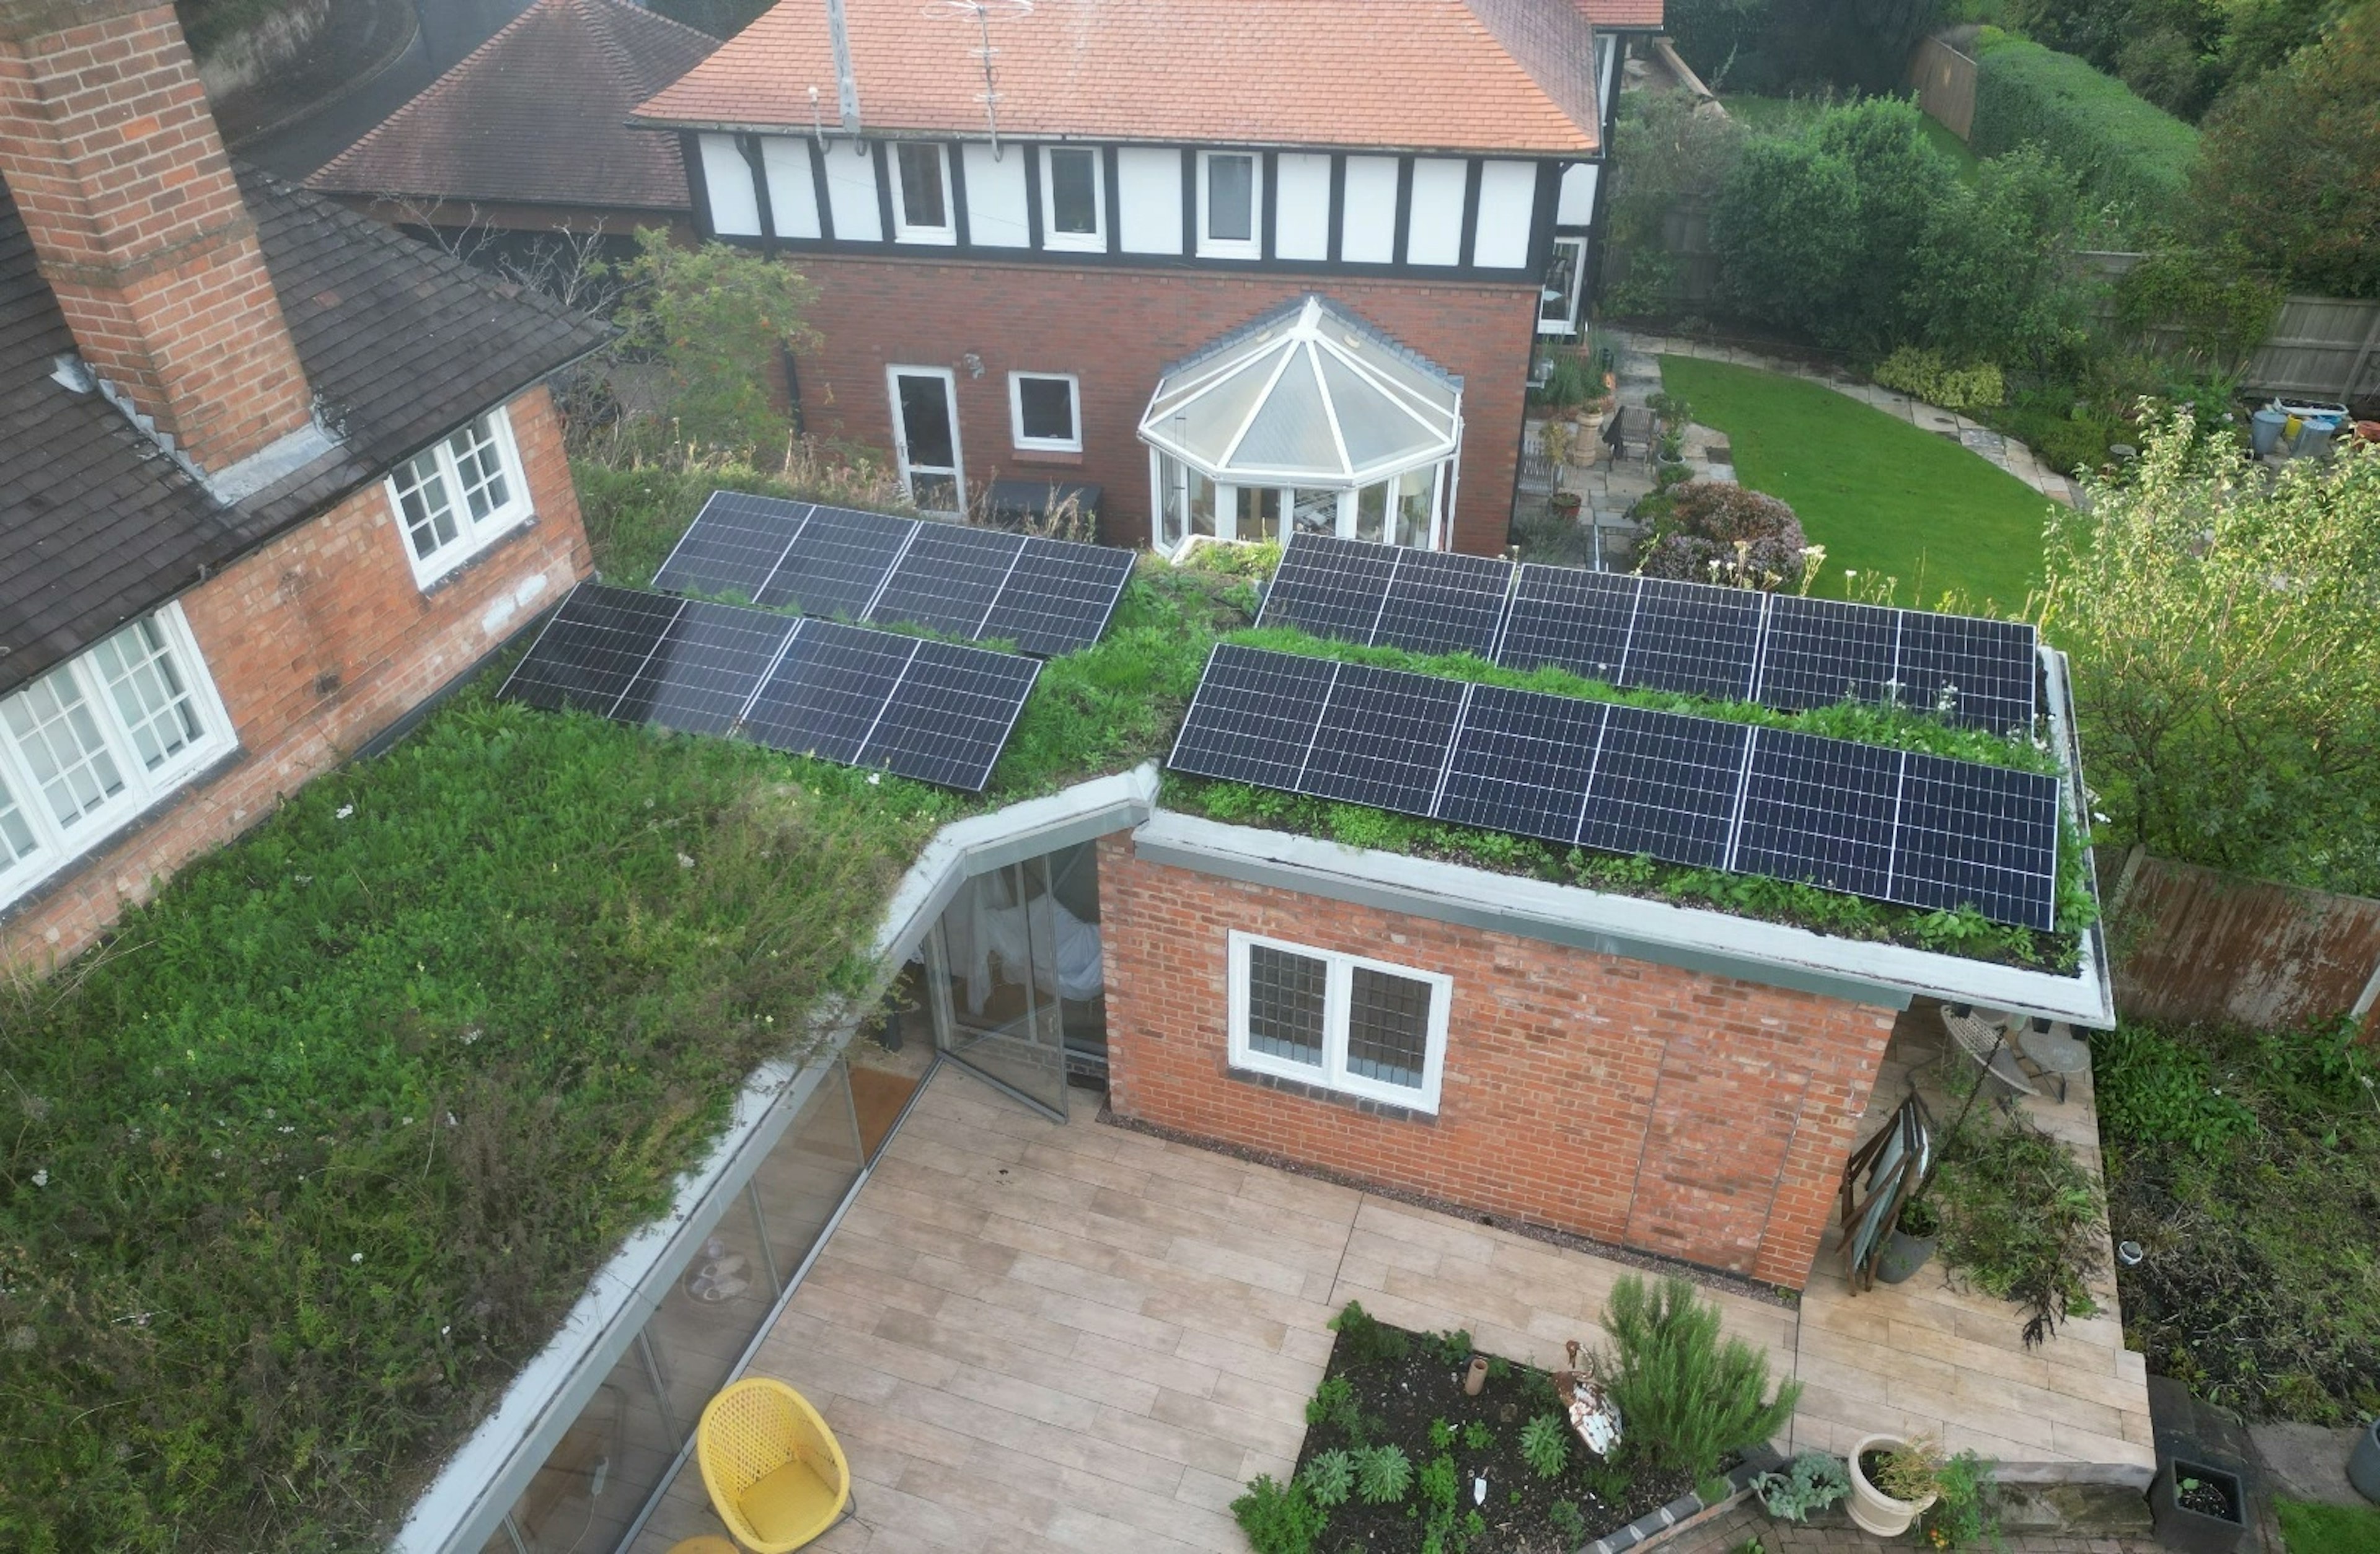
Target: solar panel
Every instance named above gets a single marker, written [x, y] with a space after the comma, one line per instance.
[1979, 835]
[1819, 810]
[1979, 673]
[733, 546]
[1569, 618]
[949, 717]
[1254, 717]
[1821, 651]
[1522, 763]
[1382, 738]
[708, 664]
[827, 691]
[1665, 784]
[592, 649]
[836, 564]
[1058, 597]
[1440, 603]
[948, 578]
[1329, 588]
[1694, 639]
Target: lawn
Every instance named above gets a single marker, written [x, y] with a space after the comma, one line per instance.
[1887, 499]
[1785, 115]
[2328, 1529]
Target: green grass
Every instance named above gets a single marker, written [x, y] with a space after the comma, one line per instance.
[1887, 499]
[1787, 116]
[2328, 1529]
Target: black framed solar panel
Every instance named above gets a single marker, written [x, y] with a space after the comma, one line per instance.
[1820, 811]
[1382, 739]
[1694, 639]
[1980, 835]
[1976, 672]
[1059, 596]
[1822, 651]
[950, 715]
[705, 669]
[1440, 603]
[733, 546]
[1572, 619]
[590, 652]
[827, 691]
[947, 578]
[1522, 762]
[837, 563]
[1254, 717]
[1329, 587]
[1665, 784]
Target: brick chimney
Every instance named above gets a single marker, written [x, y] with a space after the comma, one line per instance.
[116, 165]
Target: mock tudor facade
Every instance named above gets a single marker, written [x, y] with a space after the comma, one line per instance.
[271, 475]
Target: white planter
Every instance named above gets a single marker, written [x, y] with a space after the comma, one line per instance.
[1875, 1511]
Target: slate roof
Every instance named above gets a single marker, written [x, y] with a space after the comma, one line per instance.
[402, 343]
[1480, 76]
[535, 115]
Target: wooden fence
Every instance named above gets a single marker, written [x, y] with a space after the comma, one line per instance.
[2325, 348]
[1944, 80]
[2195, 944]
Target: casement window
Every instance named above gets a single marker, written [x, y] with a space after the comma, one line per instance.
[921, 195]
[93, 742]
[1229, 198]
[1074, 200]
[1366, 1028]
[455, 497]
[1400, 510]
[1045, 412]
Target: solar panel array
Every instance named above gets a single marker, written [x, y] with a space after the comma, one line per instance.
[1919, 830]
[1047, 596]
[1731, 644]
[938, 711]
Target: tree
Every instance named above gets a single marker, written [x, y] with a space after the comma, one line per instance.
[716, 320]
[2223, 626]
[1994, 275]
[2290, 167]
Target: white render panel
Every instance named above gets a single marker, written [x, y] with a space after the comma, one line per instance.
[851, 193]
[1302, 206]
[1508, 198]
[1148, 196]
[792, 193]
[727, 178]
[1368, 232]
[1435, 236]
[1577, 207]
[995, 197]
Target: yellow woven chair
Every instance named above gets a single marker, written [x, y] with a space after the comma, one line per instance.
[775, 1473]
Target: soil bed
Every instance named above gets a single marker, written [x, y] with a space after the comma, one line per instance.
[2206, 1497]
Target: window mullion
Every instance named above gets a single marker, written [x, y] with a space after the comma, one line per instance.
[1337, 990]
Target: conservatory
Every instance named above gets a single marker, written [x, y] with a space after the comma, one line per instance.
[1308, 420]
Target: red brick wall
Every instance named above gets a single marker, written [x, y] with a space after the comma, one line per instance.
[1116, 328]
[1698, 1117]
[317, 642]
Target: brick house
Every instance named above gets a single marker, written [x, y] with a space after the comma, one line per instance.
[270, 476]
[1012, 250]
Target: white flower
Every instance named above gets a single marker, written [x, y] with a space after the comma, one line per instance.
[874, 778]
[357, 1258]
[345, 810]
[446, 1330]
[41, 1177]
[684, 861]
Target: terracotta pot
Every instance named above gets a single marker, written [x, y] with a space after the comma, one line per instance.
[1875, 1511]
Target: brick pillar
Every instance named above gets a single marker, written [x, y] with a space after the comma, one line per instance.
[116, 167]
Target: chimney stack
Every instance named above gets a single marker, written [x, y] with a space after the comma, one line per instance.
[116, 165]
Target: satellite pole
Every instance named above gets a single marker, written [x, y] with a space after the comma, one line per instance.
[983, 11]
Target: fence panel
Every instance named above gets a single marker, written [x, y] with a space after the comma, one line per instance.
[2324, 346]
[1944, 81]
[2196, 945]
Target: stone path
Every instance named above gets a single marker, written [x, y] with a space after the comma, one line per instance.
[1835, 1534]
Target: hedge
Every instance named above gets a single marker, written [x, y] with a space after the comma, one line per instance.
[2125, 150]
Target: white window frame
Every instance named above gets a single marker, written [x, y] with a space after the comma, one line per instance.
[1226, 506]
[1017, 414]
[57, 846]
[1338, 983]
[946, 235]
[1565, 322]
[1093, 241]
[1233, 248]
[471, 535]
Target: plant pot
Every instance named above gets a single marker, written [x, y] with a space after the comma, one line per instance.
[2363, 1462]
[1564, 504]
[2197, 1531]
[1875, 1511]
[1903, 1254]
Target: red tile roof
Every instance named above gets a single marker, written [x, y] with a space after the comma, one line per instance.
[1427, 75]
[1634, 16]
[536, 115]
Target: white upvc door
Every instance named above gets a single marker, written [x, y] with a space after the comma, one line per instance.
[925, 436]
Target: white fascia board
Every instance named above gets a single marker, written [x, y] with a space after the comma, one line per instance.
[1693, 939]
[463, 1507]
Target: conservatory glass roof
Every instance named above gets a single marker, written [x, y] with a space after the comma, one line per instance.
[1311, 396]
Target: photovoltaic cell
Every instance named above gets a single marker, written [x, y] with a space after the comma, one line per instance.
[1979, 835]
[1819, 810]
[733, 546]
[1981, 671]
[1058, 597]
[1522, 763]
[590, 651]
[948, 578]
[1254, 717]
[1822, 651]
[707, 666]
[1382, 738]
[1694, 639]
[1569, 618]
[1439, 602]
[949, 717]
[1329, 588]
[836, 564]
[827, 691]
[1665, 784]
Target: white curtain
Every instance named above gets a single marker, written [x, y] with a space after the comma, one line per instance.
[986, 932]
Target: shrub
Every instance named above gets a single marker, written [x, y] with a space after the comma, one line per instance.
[1811, 1481]
[1993, 274]
[1714, 532]
[1545, 1442]
[1965, 1513]
[1477, 1437]
[1913, 1472]
[1329, 1478]
[1687, 1397]
[2222, 308]
[2021, 1219]
[1334, 1402]
[1925, 375]
[715, 318]
[1383, 1473]
[1567, 1521]
[1280, 1519]
[1368, 1341]
[2127, 151]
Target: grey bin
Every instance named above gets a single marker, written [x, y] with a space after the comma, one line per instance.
[2314, 438]
[2264, 431]
[2363, 1462]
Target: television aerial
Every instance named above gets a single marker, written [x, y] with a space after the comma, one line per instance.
[983, 13]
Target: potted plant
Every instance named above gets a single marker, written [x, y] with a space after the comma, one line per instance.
[1911, 1246]
[2197, 1509]
[1892, 1481]
[1556, 439]
[1564, 504]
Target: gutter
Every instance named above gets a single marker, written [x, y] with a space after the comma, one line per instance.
[467, 1501]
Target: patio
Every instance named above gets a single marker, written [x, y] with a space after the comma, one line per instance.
[1029, 1335]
